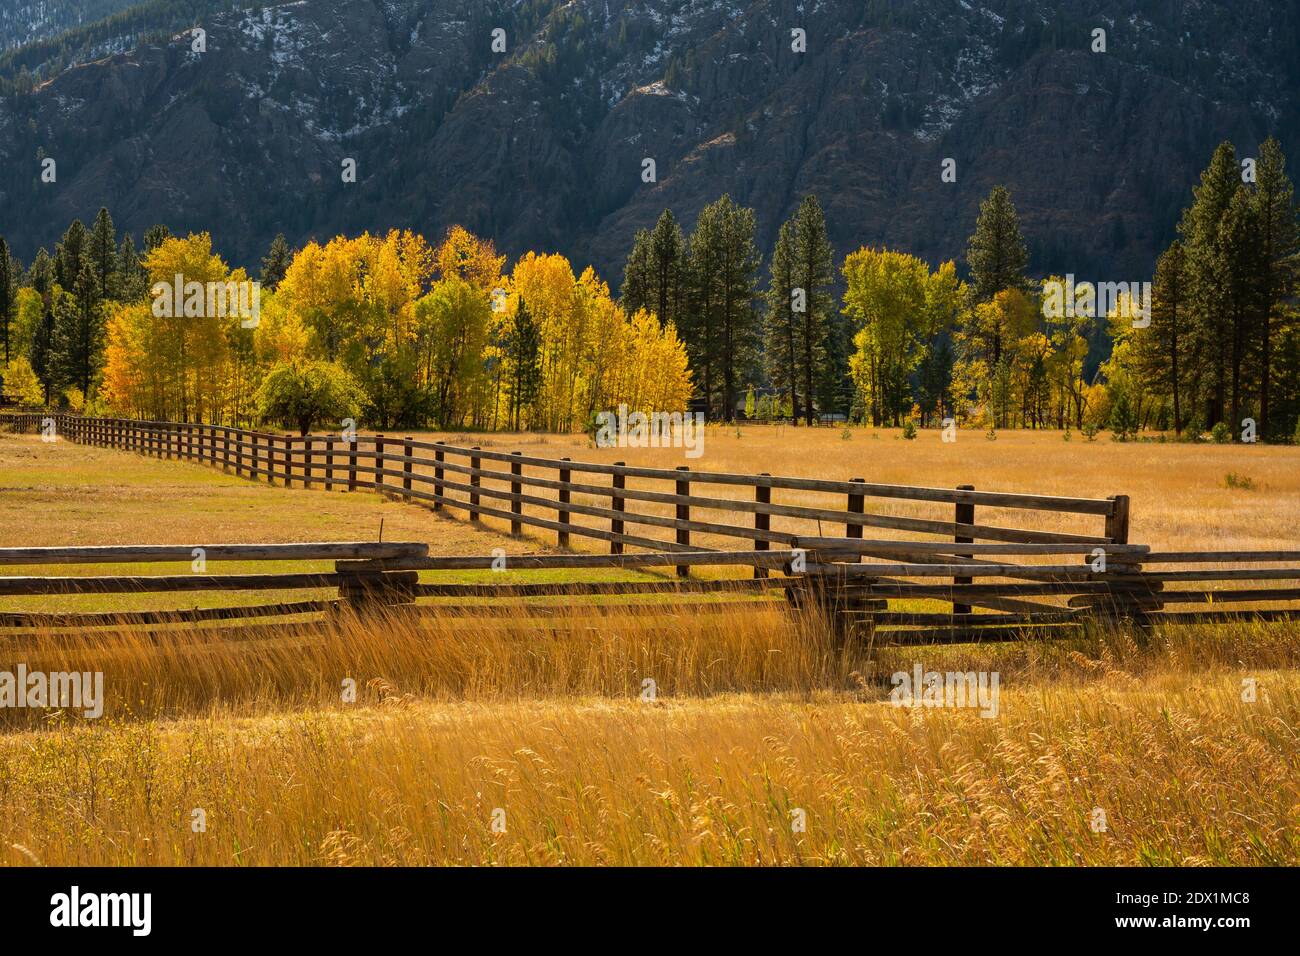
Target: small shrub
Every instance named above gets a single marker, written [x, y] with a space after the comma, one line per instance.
[846, 433]
[991, 434]
[1090, 431]
[909, 429]
[1234, 480]
[1067, 435]
[1221, 434]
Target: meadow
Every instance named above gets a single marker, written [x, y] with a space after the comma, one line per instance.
[505, 740]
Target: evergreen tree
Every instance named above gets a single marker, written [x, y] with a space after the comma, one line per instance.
[133, 278]
[103, 254]
[276, 262]
[8, 294]
[813, 275]
[780, 347]
[1162, 356]
[1279, 263]
[724, 266]
[77, 339]
[1239, 243]
[1207, 278]
[636, 274]
[41, 348]
[666, 256]
[68, 255]
[996, 252]
[155, 236]
[523, 347]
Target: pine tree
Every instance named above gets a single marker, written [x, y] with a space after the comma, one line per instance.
[1239, 241]
[814, 273]
[8, 293]
[635, 293]
[724, 269]
[276, 262]
[666, 256]
[523, 347]
[68, 255]
[1279, 262]
[1162, 356]
[41, 346]
[103, 253]
[996, 252]
[1207, 279]
[132, 277]
[780, 349]
[155, 236]
[77, 339]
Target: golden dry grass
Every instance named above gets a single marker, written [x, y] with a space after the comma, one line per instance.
[756, 714]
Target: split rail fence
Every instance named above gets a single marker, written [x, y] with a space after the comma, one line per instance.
[1027, 562]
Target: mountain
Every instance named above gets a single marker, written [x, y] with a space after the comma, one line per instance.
[543, 146]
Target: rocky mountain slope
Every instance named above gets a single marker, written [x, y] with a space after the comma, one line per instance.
[543, 146]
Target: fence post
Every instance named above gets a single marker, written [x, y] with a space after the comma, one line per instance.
[308, 441]
[856, 507]
[352, 462]
[379, 462]
[762, 521]
[516, 506]
[225, 449]
[1117, 520]
[407, 453]
[683, 488]
[963, 513]
[562, 516]
[437, 476]
[617, 503]
[474, 464]
[329, 462]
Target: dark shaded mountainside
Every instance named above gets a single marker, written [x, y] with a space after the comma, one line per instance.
[542, 147]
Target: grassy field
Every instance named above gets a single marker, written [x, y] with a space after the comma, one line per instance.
[757, 720]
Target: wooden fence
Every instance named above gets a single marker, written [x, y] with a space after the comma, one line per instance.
[369, 576]
[670, 509]
[952, 577]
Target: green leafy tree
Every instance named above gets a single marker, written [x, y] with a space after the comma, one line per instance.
[304, 393]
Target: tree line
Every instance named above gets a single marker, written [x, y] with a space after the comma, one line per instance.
[1211, 341]
[410, 334]
[389, 329]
